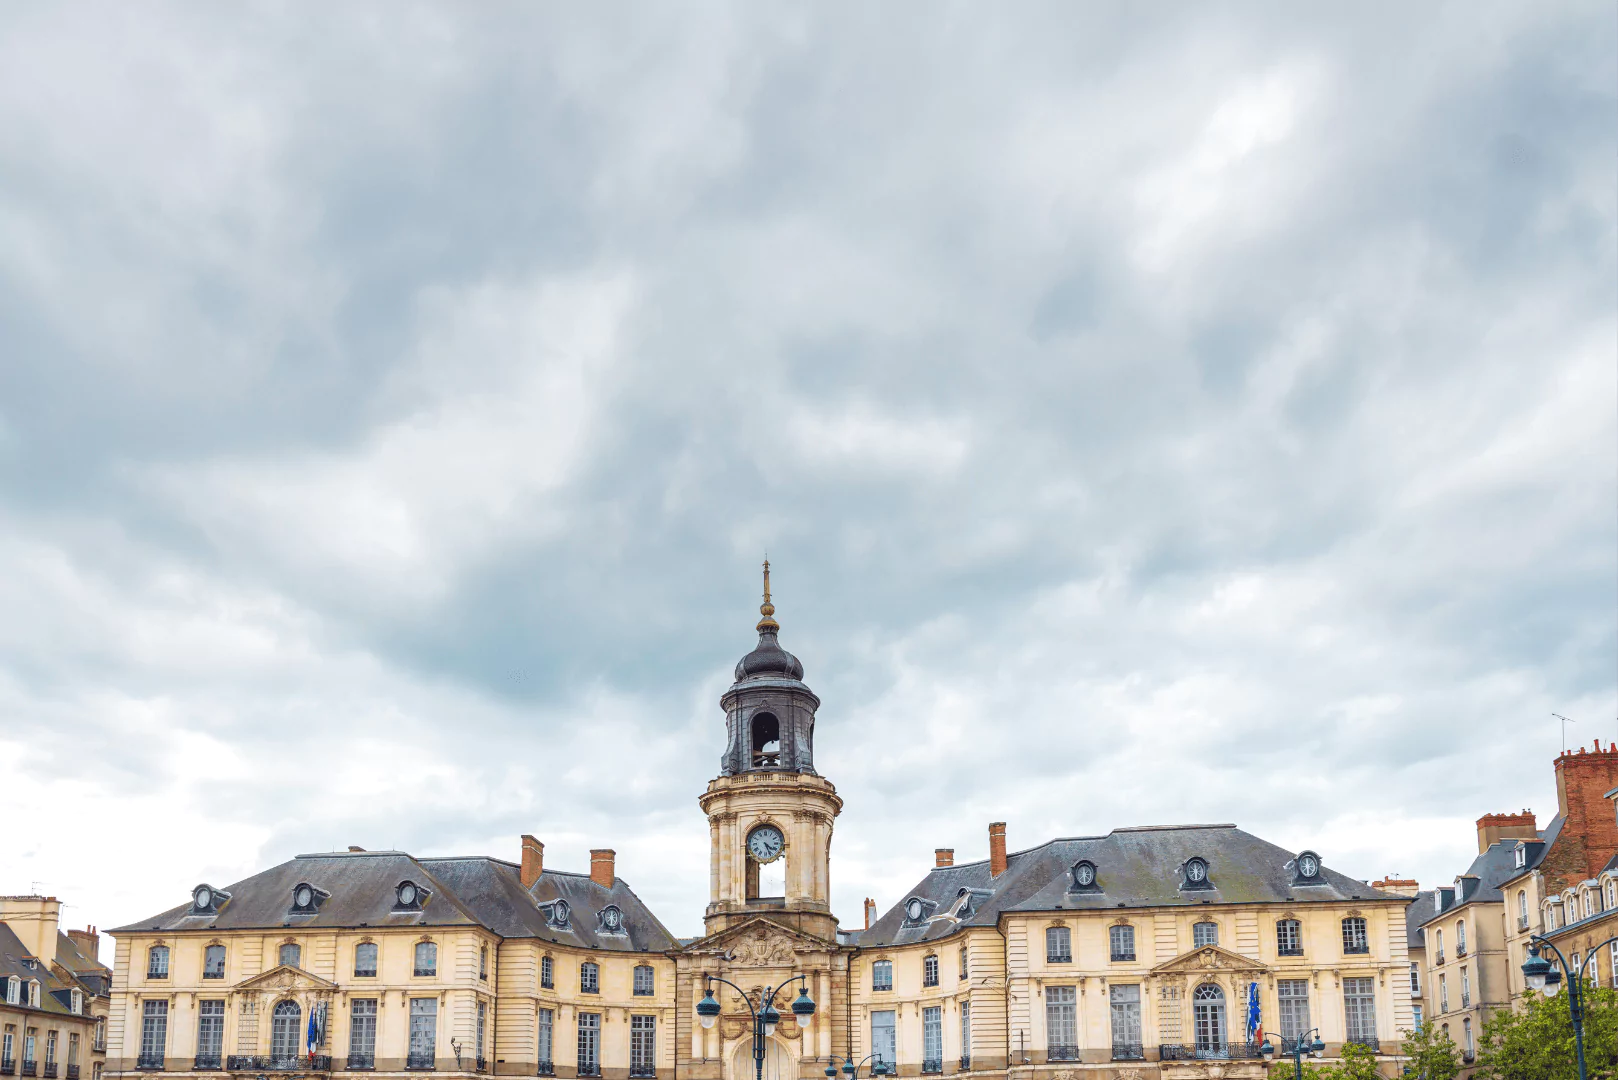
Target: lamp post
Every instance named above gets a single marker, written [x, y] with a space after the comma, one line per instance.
[851, 1070]
[765, 1016]
[1298, 1048]
[1541, 975]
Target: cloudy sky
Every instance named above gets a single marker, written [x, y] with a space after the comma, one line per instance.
[1201, 417]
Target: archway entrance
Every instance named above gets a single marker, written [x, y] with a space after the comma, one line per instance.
[779, 1062]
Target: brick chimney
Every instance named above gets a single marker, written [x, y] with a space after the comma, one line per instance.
[1493, 828]
[944, 856]
[1398, 886]
[1589, 835]
[88, 941]
[997, 848]
[870, 912]
[533, 861]
[601, 871]
[33, 919]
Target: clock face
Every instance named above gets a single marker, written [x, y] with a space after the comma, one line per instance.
[204, 898]
[1086, 874]
[765, 843]
[610, 918]
[407, 893]
[914, 910]
[1195, 871]
[1309, 865]
[561, 910]
[304, 896]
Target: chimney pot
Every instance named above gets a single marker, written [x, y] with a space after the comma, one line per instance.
[944, 856]
[997, 848]
[601, 866]
[870, 912]
[533, 861]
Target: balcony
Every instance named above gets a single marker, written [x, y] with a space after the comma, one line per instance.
[145, 1061]
[932, 1065]
[1440, 961]
[50, 1070]
[1522, 923]
[8, 1066]
[246, 1063]
[1466, 1001]
[1370, 1043]
[1294, 950]
[1128, 1052]
[545, 1068]
[1050, 958]
[1209, 1052]
[1460, 951]
[419, 1060]
[483, 1065]
[642, 1071]
[1356, 950]
[207, 1062]
[1467, 1057]
[592, 1068]
[1060, 1052]
[1123, 957]
[966, 1062]
[31, 1068]
[361, 1062]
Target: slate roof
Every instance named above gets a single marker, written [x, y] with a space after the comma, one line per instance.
[1482, 881]
[1135, 868]
[475, 891]
[1415, 915]
[13, 961]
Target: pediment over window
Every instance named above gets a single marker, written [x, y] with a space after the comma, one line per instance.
[285, 977]
[1209, 958]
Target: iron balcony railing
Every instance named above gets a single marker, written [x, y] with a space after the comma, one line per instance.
[1522, 923]
[100, 1045]
[1356, 950]
[419, 1060]
[1460, 951]
[424, 973]
[31, 1068]
[966, 1062]
[1209, 1051]
[145, 1061]
[1439, 961]
[545, 1068]
[1128, 1052]
[361, 1061]
[1466, 1001]
[72, 1072]
[1415, 991]
[50, 1070]
[1468, 1056]
[1122, 957]
[1293, 950]
[272, 1063]
[932, 1065]
[207, 1061]
[642, 1070]
[592, 1068]
[1053, 958]
[483, 1065]
[1370, 1042]
[1061, 1052]
[8, 1066]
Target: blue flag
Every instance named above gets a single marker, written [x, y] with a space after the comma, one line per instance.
[1255, 1025]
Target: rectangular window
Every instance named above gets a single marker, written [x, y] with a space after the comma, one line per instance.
[1205, 933]
[154, 1032]
[882, 975]
[547, 974]
[1443, 993]
[589, 978]
[426, 958]
[1359, 1007]
[1126, 1044]
[1415, 979]
[1354, 936]
[547, 1020]
[28, 1048]
[1466, 989]
[423, 1033]
[1289, 938]
[210, 1033]
[929, 971]
[1123, 943]
[643, 981]
[1061, 1024]
[884, 1041]
[963, 961]
[589, 1044]
[1058, 945]
[932, 1039]
[157, 962]
[13, 990]
[1293, 1000]
[362, 1033]
[483, 1022]
[50, 1048]
[1415, 1015]
[1466, 1035]
[213, 962]
[966, 1034]
[1460, 938]
[73, 1050]
[643, 1046]
[290, 955]
[8, 1048]
[365, 960]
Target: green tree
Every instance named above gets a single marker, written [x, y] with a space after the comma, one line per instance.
[1535, 1040]
[1432, 1053]
[1357, 1063]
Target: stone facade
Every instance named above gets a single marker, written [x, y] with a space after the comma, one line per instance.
[53, 994]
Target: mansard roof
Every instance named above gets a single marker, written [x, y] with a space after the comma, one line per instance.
[474, 891]
[1483, 882]
[15, 959]
[1421, 905]
[1135, 868]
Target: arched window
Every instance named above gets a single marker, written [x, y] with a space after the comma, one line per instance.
[1522, 909]
[882, 975]
[157, 962]
[929, 971]
[1438, 942]
[483, 963]
[291, 955]
[213, 962]
[1205, 933]
[286, 1031]
[1289, 938]
[365, 960]
[1058, 945]
[963, 961]
[589, 978]
[1122, 940]
[1355, 939]
[1460, 937]
[643, 980]
[426, 958]
[766, 741]
[547, 973]
[1208, 1017]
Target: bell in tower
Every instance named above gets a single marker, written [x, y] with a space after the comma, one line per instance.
[769, 712]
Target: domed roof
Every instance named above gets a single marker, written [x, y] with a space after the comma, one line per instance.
[768, 659]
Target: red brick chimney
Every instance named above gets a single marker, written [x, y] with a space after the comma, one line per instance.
[1589, 834]
[997, 848]
[601, 872]
[533, 860]
[1493, 828]
[1398, 886]
[944, 856]
[870, 912]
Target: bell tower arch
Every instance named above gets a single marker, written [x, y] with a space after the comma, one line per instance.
[769, 813]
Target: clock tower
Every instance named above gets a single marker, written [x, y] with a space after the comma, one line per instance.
[769, 813]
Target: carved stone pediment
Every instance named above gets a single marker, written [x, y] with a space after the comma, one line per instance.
[1210, 958]
[285, 977]
[759, 943]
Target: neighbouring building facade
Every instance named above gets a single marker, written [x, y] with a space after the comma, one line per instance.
[54, 994]
[1133, 955]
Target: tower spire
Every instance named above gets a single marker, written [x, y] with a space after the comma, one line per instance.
[767, 624]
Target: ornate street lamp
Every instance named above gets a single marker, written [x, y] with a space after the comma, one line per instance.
[765, 1016]
[851, 1071]
[1299, 1048]
[1540, 974]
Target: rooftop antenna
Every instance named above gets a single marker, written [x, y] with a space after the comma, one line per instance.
[1566, 720]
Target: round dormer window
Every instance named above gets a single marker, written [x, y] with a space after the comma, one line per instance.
[407, 893]
[612, 920]
[202, 898]
[1309, 865]
[1196, 871]
[1084, 874]
[915, 909]
[561, 912]
[303, 896]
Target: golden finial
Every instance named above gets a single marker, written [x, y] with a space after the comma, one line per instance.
[767, 609]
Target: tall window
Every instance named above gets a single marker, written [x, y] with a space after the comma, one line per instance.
[1359, 1007]
[1466, 989]
[483, 963]
[1522, 909]
[882, 977]
[643, 980]
[1460, 937]
[589, 978]
[963, 961]
[483, 1022]
[154, 1032]
[423, 1033]
[1061, 1024]
[1443, 993]
[1208, 1017]
[101, 1033]
[1415, 1014]
[13, 990]
[1126, 1044]
[929, 971]
[365, 960]
[547, 1022]
[8, 1044]
[73, 1049]
[33, 993]
[1612, 961]
[1415, 979]
[1293, 998]
[643, 1046]
[1123, 942]
[1205, 933]
[966, 1032]
[213, 962]
[1289, 938]
[1438, 941]
[290, 955]
[76, 1001]
[932, 1039]
[157, 962]
[362, 1033]
[547, 973]
[426, 958]
[1058, 945]
[30, 1036]
[1354, 936]
[589, 1044]
[1466, 1036]
[50, 1047]
[286, 1031]
[210, 1033]
[884, 1043]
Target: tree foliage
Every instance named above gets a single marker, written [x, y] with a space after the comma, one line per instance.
[1432, 1053]
[1534, 1041]
[1357, 1063]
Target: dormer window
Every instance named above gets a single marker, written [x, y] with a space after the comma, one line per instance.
[306, 898]
[207, 900]
[1520, 856]
[918, 910]
[77, 1002]
[611, 919]
[557, 916]
[1084, 877]
[13, 990]
[408, 896]
[1195, 872]
[33, 994]
[1307, 869]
